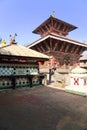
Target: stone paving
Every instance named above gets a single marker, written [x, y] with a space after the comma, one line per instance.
[42, 108]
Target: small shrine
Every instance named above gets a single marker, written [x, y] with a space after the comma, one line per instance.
[19, 66]
[83, 61]
[78, 81]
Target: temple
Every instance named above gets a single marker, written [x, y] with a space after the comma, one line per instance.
[54, 42]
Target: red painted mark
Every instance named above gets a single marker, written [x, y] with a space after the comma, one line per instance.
[76, 81]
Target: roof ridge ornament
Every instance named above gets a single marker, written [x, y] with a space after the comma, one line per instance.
[53, 14]
[12, 39]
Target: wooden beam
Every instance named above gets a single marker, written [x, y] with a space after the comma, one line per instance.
[44, 44]
[52, 22]
[55, 25]
[47, 52]
[39, 49]
[62, 47]
[35, 48]
[67, 47]
[47, 28]
[42, 48]
[48, 25]
[40, 31]
[43, 31]
[58, 26]
[55, 46]
[50, 44]
[64, 28]
[73, 48]
[67, 29]
[47, 46]
[76, 49]
[81, 50]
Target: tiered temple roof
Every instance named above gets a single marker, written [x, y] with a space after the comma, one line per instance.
[54, 25]
[54, 42]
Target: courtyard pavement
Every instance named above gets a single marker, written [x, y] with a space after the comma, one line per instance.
[42, 108]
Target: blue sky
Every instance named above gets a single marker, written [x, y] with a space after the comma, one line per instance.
[23, 16]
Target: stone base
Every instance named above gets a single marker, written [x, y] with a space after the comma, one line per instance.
[76, 90]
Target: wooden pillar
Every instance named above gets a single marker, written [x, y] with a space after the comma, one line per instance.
[49, 75]
[13, 82]
[30, 77]
[50, 63]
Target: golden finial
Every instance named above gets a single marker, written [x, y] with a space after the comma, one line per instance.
[53, 14]
[3, 42]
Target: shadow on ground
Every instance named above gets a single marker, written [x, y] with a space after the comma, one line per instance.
[42, 108]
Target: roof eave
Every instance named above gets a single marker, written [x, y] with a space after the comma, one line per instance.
[58, 37]
[51, 17]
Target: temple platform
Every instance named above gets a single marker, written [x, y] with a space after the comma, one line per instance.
[77, 90]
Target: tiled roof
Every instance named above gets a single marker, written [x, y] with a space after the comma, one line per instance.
[19, 50]
[60, 38]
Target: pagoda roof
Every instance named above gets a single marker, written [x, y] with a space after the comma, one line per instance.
[21, 51]
[71, 27]
[58, 37]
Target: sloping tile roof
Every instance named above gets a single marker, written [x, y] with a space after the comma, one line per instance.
[60, 38]
[19, 50]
